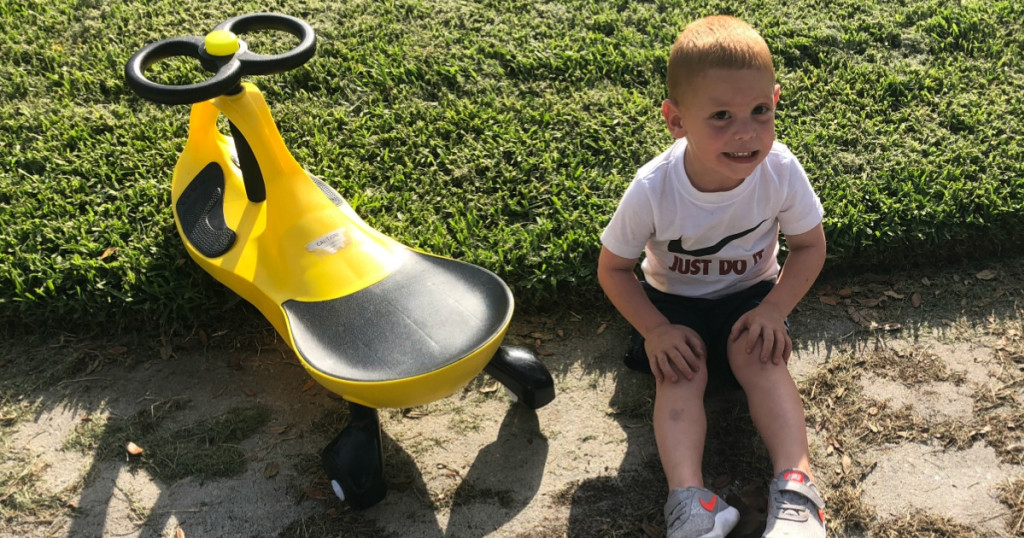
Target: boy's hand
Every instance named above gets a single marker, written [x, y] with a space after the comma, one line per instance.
[768, 325]
[674, 348]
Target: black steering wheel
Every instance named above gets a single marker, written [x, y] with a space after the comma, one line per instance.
[222, 54]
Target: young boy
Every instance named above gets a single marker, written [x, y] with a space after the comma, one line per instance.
[707, 213]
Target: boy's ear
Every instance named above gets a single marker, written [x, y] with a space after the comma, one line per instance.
[778, 91]
[673, 118]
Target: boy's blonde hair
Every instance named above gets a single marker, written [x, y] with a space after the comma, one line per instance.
[718, 41]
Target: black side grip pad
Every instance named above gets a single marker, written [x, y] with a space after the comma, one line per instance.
[430, 313]
[201, 213]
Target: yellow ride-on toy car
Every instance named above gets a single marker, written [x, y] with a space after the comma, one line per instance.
[376, 322]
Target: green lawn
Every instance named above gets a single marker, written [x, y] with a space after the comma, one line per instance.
[498, 132]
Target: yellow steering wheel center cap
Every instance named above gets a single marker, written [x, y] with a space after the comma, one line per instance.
[221, 43]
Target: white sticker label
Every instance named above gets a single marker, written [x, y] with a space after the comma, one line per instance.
[330, 243]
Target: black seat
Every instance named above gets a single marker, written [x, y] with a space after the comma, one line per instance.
[429, 313]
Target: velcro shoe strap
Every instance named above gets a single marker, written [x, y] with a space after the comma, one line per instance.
[805, 490]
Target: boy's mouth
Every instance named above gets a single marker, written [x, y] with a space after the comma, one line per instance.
[741, 157]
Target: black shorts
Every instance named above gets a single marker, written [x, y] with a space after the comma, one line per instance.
[711, 319]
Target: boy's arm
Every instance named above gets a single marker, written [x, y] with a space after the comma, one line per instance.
[803, 264]
[673, 345]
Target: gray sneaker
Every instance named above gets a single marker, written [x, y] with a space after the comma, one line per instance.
[698, 513]
[795, 508]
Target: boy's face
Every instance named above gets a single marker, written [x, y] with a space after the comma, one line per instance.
[728, 119]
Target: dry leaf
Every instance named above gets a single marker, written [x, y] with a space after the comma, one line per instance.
[271, 470]
[248, 391]
[845, 292]
[651, 530]
[871, 303]
[858, 317]
[987, 274]
[133, 448]
[829, 300]
[315, 493]
[414, 414]
[915, 300]
[179, 533]
[108, 252]
[892, 326]
[926, 282]
[118, 350]
[93, 367]
[602, 328]
[893, 294]
[309, 384]
[847, 464]
[490, 388]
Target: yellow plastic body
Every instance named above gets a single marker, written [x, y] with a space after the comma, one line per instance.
[269, 263]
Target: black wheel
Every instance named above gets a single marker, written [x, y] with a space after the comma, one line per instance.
[354, 460]
[524, 375]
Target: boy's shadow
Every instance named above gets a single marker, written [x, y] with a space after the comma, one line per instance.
[735, 465]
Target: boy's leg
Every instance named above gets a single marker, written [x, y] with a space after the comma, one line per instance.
[680, 427]
[795, 508]
[680, 424]
[775, 407]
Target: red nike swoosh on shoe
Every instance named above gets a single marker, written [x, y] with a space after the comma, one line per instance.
[709, 505]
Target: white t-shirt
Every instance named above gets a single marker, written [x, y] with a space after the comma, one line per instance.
[711, 244]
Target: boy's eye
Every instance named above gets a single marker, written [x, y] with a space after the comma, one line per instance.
[762, 109]
[720, 115]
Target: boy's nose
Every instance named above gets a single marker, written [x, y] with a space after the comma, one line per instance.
[744, 130]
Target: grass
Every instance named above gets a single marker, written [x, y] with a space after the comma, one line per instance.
[501, 133]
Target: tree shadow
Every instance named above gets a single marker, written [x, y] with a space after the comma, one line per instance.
[483, 502]
[194, 432]
[484, 491]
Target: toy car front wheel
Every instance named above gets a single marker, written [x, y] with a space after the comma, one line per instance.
[354, 460]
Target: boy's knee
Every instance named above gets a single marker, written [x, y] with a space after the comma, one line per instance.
[685, 387]
[748, 366]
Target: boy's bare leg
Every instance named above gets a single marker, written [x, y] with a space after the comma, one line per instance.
[680, 426]
[775, 407]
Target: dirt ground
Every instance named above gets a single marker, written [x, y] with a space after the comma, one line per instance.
[914, 384]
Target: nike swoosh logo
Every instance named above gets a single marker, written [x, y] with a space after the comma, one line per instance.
[676, 246]
[709, 505]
